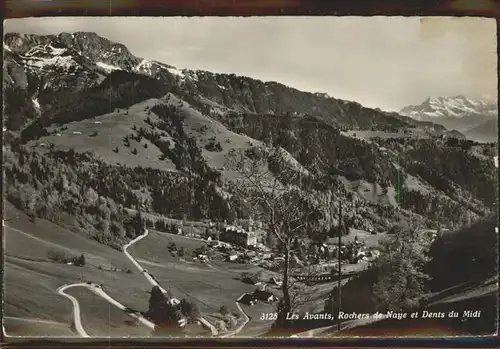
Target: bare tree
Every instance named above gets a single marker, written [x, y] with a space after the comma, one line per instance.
[272, 189]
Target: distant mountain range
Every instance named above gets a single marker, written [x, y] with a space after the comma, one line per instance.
[477, 119]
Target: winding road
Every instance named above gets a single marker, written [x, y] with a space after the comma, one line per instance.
[238, 330]
[76, 309]
[96, 289]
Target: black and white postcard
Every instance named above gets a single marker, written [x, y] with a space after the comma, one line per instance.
[225, 177]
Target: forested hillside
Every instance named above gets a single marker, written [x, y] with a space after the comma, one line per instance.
[88, 147]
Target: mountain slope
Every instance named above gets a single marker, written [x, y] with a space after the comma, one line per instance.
[40, 68]
[153, 128]
[71, 61]
[485, 132]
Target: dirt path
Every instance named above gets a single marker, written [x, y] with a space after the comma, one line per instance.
[96, 289]
[153, 281]
[76, 309]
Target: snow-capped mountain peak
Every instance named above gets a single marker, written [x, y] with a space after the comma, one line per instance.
[454, 112]
[449, 107]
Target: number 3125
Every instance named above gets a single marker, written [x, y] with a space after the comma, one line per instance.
[269, 316]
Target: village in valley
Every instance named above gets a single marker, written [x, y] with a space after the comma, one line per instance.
[247, 243]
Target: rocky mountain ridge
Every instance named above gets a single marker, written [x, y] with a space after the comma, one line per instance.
[47, 64]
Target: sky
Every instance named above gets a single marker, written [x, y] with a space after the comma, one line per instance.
[380, 62]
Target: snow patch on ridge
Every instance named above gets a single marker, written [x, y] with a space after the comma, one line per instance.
[57, 51]
[144, 65]
[108, 67]
[176, 72]
[65, 62]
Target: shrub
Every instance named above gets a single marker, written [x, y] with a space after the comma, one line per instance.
[58, 256]
[79, 261]
[189, 309]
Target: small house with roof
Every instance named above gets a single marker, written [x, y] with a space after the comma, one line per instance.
[264, 295]
[247, 299]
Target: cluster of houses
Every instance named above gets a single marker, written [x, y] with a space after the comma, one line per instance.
[245, 243]
[352, 252]
[245, 256]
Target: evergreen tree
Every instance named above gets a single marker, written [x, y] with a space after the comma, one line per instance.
[138, 224]
[400, 268]
[81, 261]
[165, 316]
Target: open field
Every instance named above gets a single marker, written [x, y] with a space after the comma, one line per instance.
[371, 240]
[47, 236]
[31, 293]
[104, 133]
[101, 319]
[22, 301]
[31, 327]
[154, 248]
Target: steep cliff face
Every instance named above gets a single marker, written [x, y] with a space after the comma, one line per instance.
[19, 108]
[100, 50]
[22, 43]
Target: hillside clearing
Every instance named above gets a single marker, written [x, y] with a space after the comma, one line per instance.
[102, 134]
